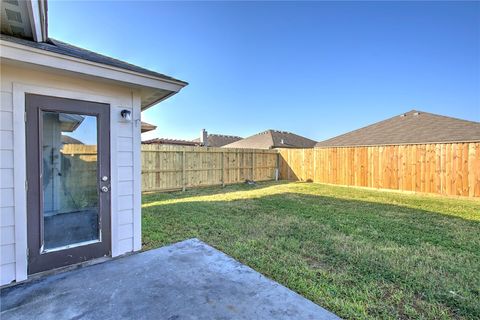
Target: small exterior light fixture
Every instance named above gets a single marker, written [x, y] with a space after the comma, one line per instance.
[126, 115]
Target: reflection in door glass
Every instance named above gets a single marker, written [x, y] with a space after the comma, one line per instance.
[69, 177]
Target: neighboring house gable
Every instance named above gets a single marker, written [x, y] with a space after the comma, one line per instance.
[218, 140]
[413, 127]
[273, 139]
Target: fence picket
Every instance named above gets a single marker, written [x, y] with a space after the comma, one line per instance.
[448, 168]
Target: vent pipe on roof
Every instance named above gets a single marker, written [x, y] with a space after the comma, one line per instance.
[204, 138]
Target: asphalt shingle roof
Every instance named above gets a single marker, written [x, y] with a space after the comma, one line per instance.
[273, 139]
[413, 127]
[60, 47]
[219, 140]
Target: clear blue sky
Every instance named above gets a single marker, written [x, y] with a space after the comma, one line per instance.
[318, 69]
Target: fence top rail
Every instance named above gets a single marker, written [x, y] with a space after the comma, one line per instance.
[220, 152]
[162, 148]
[396, 144]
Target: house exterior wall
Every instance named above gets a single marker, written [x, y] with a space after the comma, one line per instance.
[16, 80]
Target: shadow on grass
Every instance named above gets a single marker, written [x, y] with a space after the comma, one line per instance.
[382, 255]
[370, 219]
[214, 190]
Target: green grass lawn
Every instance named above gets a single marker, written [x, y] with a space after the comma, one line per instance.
[362, 254]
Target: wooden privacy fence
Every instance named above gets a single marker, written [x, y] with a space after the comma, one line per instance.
[447, 169]
[77, 180]
[167, 168]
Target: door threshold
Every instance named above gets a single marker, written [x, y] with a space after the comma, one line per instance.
[39, 275]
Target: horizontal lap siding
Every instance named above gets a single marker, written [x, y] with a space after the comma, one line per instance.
[448, 169]
[124, 137]
[7, 211]
[125, 186]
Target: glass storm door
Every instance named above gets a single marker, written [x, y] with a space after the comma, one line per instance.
[68, 179]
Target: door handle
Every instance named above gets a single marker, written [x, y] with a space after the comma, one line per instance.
[104, 189]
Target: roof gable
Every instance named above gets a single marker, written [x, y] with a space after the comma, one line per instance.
[413, 127]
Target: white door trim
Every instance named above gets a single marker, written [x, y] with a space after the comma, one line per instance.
[20, 164]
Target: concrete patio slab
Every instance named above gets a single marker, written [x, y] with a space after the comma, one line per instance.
[187, 280]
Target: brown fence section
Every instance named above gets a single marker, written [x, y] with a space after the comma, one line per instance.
[448, 169]
[167, 168]
[78, 178]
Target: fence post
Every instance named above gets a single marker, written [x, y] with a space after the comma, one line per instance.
[223, 169]
[253, 166]
[183, 171]
[303, 166]
[277, 173]
[289, 164]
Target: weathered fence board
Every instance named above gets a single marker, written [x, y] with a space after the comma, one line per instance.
[179, 167]
[448, 169]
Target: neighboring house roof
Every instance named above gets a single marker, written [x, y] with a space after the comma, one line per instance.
[145, 127]
[273, 139]
[219, 140]
[413, 127]
[177, 142]
[60, 47]
[70, 140]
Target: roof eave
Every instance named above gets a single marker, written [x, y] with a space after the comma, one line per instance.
[158, 100]
[165, 88]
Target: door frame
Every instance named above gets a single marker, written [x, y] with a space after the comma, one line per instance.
[19, 89]
[38, 260]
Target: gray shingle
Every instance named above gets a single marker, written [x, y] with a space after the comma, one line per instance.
[273, 139]
[219, 140]
[413, 127]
